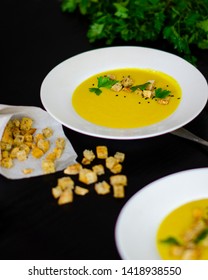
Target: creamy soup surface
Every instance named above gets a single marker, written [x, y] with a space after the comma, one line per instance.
[107, 99]
[183, 234]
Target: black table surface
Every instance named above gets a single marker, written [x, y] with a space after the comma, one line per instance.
[36, 36]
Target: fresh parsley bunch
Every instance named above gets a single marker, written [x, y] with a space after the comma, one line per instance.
[182, 23]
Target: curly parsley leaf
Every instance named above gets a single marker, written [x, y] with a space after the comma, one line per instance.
[181, 23]
[201, 236]
[161, 93]
[170, 240]
[106, 82]
[103, 82]
[142, 87]
[97, 91]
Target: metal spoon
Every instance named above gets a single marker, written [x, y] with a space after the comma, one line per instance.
[182, 132]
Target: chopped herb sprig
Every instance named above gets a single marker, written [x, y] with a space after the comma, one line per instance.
[170, 240]
[161, 93]
[103, 82]
[183, 24]
[142, 87]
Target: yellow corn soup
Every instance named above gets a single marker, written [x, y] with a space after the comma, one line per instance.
[183, 234]
[125, 109]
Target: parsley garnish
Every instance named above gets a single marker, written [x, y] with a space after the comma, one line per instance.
[103, 81]
[161, 93]
[201, 236]
[179, 23]
[97, 91]
[142, 87]
[170, 240]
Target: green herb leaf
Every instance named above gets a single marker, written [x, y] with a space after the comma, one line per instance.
[160, 93]
[201, 236]
[170, 240]
[105, 82]
[97, 91]
[142, 87]
[174, 21]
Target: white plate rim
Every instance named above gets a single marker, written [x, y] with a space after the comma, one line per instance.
[189, 193]
[58, 109]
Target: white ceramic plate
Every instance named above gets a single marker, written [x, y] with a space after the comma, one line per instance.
[138, 221]
[59, 85]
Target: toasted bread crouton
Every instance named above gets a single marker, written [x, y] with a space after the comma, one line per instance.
[65, 197]
[28, 138]
[73, 169]
[117, 87]
[7, 162]
[119, 156]
[118, 191]
[5, 154]
[87, 176]
[85, 161]
[36, 152]
[43, 144]
[21, 155]
[110, 162]
[18, 140]
[47, 132]
[38, 136]
[102, 188]
[89, 154]
[151, 84]
[102, 152]
[5, 146]
[127, 81]
[27, 170]
[25, 148]
[163, 101]
[14, 151]
[80, 191]
[118, 180]
[66, 182]
[147, 93]
[26, 123]
[16, 122]
[60, 143]
[58, 152]
[48, 166]
[98, 169]
[51, 156]
[56, 192]
[116, 168]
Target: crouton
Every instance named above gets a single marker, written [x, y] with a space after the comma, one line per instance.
[87, 176]
[102, 152]
[102, 188]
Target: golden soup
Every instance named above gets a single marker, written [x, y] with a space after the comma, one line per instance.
[183, 234]
[98, 100]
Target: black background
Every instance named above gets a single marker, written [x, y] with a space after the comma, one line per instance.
[35, 37]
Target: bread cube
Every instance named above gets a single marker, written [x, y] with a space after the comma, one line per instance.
[118, 191]
[110, 162]
[47, 132]
[66, 182]
[65, 197]
[102, 188]
[80, 191]
[89, 154]
[119, 156]
[73, 169]
[60, 143]
[98, 169]
[102, 152]
[87, 176]
[48, 166]
[118, 180]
